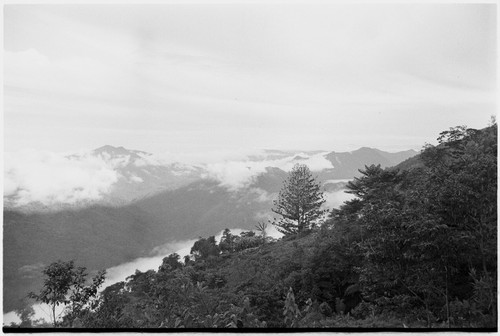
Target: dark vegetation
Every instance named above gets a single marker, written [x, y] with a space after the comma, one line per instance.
[416, 248]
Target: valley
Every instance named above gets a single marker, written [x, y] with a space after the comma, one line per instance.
[153, 203]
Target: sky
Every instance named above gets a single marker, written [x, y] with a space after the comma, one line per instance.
[191, 78]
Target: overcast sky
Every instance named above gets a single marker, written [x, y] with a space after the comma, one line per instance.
[190, 78]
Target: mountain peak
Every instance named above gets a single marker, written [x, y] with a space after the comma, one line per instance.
[117, 150]
[109, 148]
[367, 149]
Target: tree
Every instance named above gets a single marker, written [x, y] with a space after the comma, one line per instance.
[65, 285]
[26, 315]
[205, 247]
[299, 202]
[261, 226]
[227, 241]
[170, 263]
[423, 231]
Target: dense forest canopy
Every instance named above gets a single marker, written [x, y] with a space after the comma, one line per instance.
[417, 247]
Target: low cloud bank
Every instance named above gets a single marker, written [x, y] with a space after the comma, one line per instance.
[59, 178]
[42, 312]
[336, 198]
[235, 175]
[263, 196]
[198, 158]
[52, 178]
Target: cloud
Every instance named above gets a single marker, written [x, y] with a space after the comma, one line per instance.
[317, 162]
[262, 195]
[115, 160]
[42, 312]
[53, 178]
[336, 198]
[150, 160]
[265, 217]
[209, 156]
[135, 178]
[169, 91]
[58, 178]
[236, 175]
[31, 271]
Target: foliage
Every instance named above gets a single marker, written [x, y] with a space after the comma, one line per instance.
[227, 241]
[205, 247]
[261, 226]
[26, 315]
[421, 230]
[170, 263]
[65, 284]
[231, 243]
[291, 311]
[299, 202]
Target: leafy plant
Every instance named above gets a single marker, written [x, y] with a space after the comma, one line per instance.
[65, 285]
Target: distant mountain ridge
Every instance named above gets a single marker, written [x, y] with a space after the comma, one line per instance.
[114, 151]
[347, 164]
[141, 174]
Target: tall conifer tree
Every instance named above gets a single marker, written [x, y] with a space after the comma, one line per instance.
[299, 202]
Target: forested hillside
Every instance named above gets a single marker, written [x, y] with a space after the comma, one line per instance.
[417, 247]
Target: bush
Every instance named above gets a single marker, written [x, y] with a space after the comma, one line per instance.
[363, 310]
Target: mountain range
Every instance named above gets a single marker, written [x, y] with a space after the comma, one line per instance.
[152, 202]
